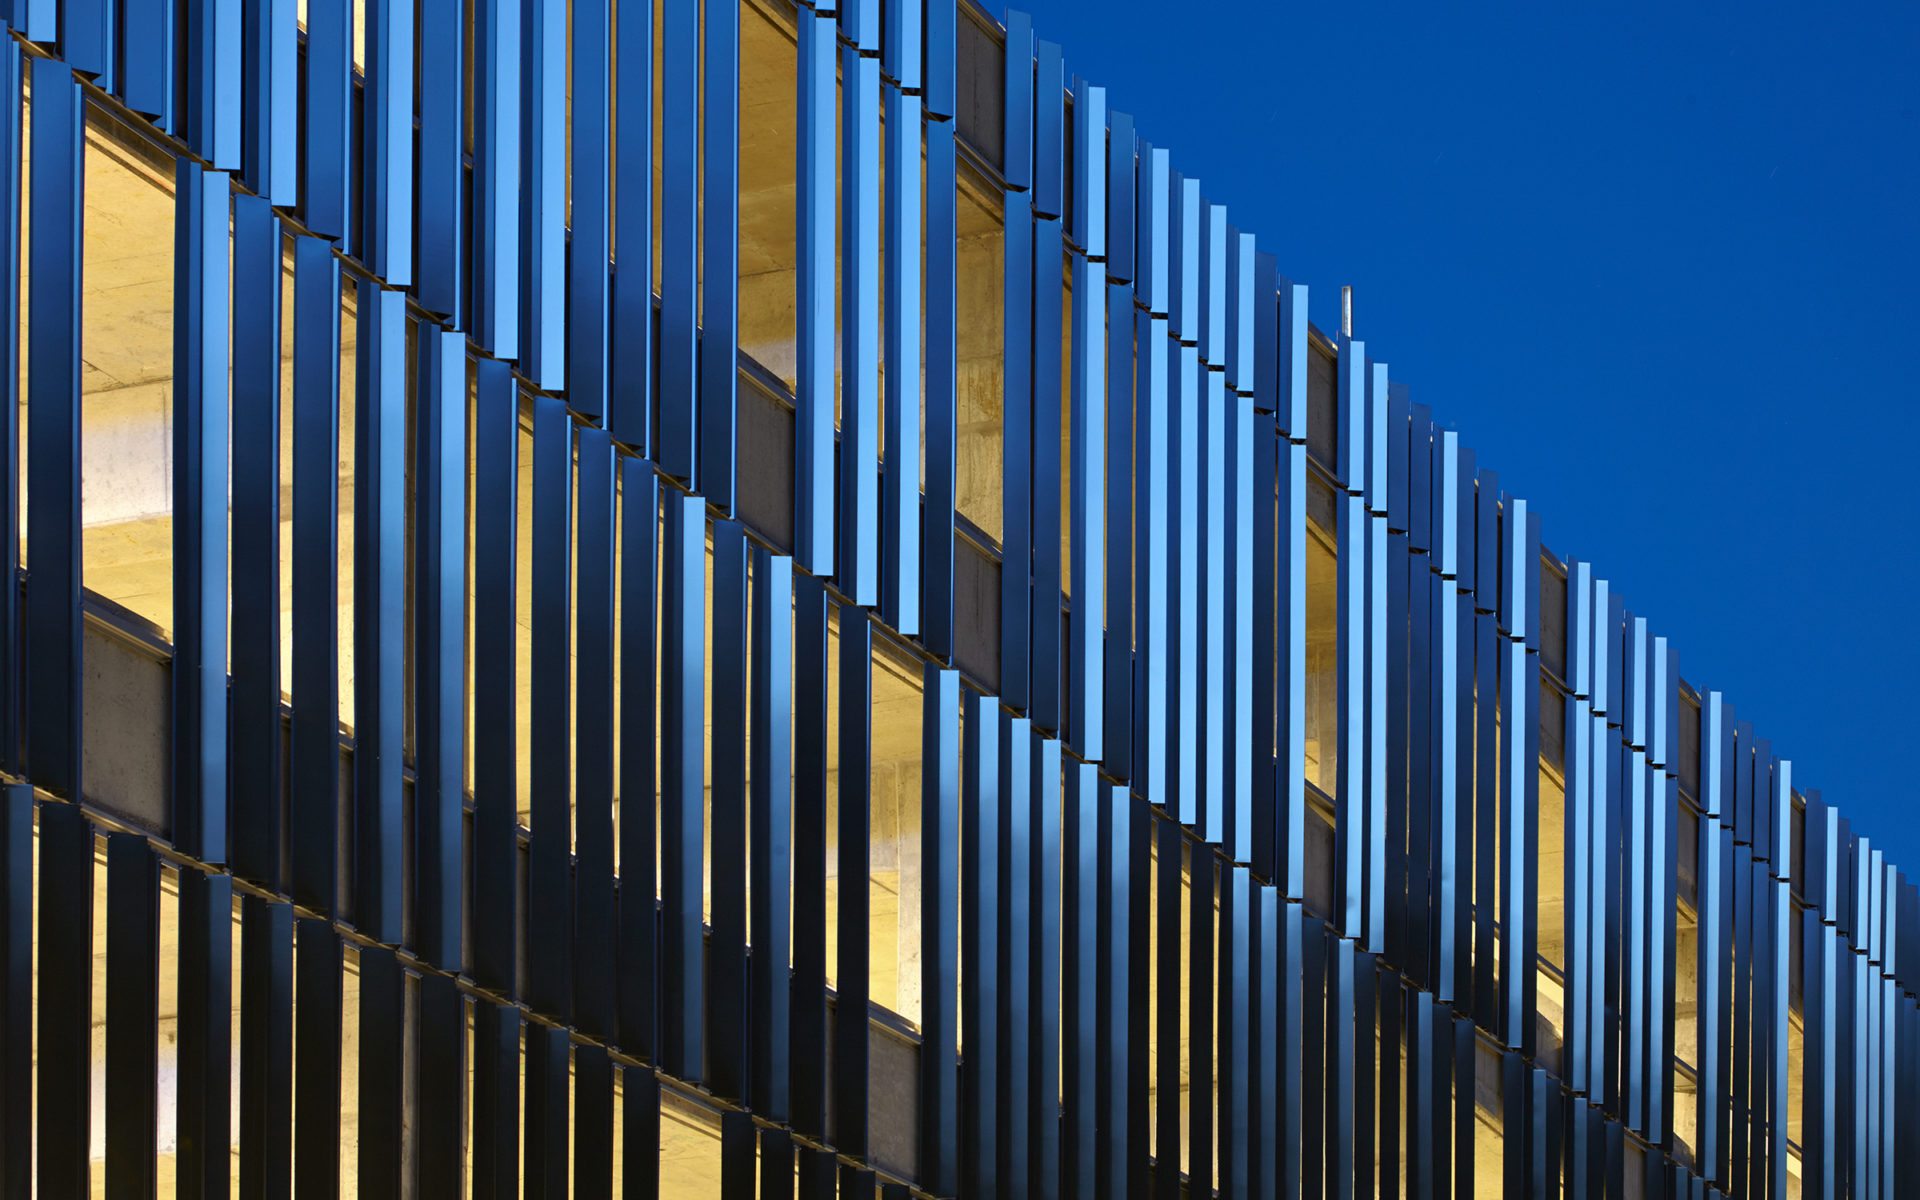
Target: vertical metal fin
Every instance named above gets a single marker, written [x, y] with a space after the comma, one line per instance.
[52, 627]
[199, 674]
[315, 768]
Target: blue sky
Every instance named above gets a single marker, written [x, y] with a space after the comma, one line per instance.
[1658, 266]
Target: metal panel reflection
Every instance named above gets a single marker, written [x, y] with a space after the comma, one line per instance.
[1149, 956]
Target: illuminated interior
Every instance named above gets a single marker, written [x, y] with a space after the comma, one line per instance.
[1550, 930]
[1323, 645]
[127, 405]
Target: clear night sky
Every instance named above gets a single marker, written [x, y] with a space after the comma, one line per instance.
[1657, 265]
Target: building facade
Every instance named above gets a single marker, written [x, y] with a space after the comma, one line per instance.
[753, 599]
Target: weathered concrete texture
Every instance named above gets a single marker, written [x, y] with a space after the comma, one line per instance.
[127, 461]
[981, 86]
[893, 1103]
[976, 613]
[125, 728]
[893, 1093]
[763, 494]
[1323, 657]
[768, 149]
[126, 383]
[127, 401]
[979, 345]
[689, 1146]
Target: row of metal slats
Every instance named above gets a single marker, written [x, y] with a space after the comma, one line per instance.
[1145, 716]
[379, 434]
[267, 1035]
